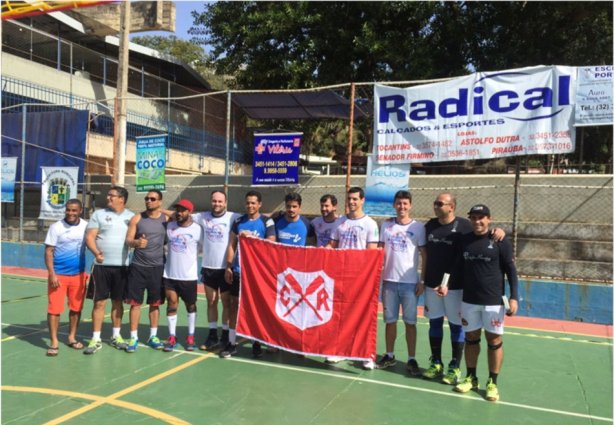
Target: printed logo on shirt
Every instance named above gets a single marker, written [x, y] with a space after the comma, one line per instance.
[179, 243]
[215, 232]
[398, 242]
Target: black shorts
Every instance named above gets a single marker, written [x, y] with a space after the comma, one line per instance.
[185, 289]
[214, 278]
[107, 282]
[235, 288]
[141, 278]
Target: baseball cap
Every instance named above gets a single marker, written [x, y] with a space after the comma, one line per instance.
[480, 209]
[185, 204]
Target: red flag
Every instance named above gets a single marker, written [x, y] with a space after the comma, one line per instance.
[310, 300]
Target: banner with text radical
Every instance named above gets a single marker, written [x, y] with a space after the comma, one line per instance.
[484, 115]
[276, 158]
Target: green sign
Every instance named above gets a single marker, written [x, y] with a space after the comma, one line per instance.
[150, 162]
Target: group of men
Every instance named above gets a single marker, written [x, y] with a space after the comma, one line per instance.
[475, 258]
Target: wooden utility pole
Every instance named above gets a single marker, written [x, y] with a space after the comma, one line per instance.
[120, 128]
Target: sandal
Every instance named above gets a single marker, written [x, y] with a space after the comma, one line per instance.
[53, 351]
[77, 345]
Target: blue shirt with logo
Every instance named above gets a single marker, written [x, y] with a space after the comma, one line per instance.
[293, 232]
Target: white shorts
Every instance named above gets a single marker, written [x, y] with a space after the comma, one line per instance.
[489, 317]
[449, 306]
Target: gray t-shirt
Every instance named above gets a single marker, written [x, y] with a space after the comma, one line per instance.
[154, 230]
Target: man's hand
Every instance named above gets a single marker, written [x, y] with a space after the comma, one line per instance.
[442, 291]
[53, 281]
[99, 257]
[141, 242]
[513, 308]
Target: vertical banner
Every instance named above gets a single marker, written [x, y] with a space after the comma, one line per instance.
[58, 185]
[9, 171]
[276, 158]
[150, 162]
[383, 181]
[594, 100]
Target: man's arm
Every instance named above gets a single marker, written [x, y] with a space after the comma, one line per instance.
[420, 285]
[52, 279]
[90, 242]
[131, 238]
[372, 245]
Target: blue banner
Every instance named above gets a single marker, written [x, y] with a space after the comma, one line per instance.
[276, 158]
[9, 171]
[383, 182]
[150, 163]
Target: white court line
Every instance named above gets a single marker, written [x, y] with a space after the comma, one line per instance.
[425, 390]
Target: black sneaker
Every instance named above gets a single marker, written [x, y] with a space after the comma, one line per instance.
[386, 361]
[229, 351]
[211, 341]
[257, 350]
[412, 367]
[224, 338]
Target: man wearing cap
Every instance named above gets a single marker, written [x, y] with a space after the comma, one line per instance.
[181, 271]
[484, 264]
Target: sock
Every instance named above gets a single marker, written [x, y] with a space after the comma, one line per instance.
[390, 354]
[116, 332]
[172, 324]
[232, 336]
[191, 323]
[225, 327]
[212, 326]
[153, 332]
[96, 336]
[411, 358]
[471, 371]
[134, 334]
[435, 348]
[493, 376]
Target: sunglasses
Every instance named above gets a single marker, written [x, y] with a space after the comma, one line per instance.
[440, 204]
[148, 198]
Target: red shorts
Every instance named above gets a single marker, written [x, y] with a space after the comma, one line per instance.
[72, 287]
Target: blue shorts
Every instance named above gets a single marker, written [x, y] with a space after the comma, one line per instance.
[397, 294]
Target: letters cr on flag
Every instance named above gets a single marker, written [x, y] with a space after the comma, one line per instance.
[309, 300]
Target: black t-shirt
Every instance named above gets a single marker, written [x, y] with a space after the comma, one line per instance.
[484, 264]
[441, 251]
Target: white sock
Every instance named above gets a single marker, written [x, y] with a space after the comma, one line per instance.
[172, 324]
[116, 332]
[153, 332]
[213, 325]
[225, 327]
[391, 354]
[134, 334]
[96, 336]
[191, 323]
[232, 336]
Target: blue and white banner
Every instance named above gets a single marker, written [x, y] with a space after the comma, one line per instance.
[276, 158]
[59, 184]
[484, 115]
[9, 171]
[594, 96]
[150, 163]
[383, 181]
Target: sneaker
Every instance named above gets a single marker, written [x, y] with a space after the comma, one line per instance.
[468, 384]
[190, 345]
[170, 344]
[452, 376]
[434, 371]
[492, 393]
[93, 346]
[333, 359]
[257, 350]
[132, 344]
[155, 343]
[211, 341]
[224, 338]
[118, 342]
[368, 365]
[386, 361]
[412, 367]
[229, 351]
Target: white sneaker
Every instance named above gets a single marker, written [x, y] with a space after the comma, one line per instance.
[333, 359]
[368, 365]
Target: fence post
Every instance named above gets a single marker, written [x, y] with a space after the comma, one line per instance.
[516, 206]
[24, 110]
[227, 166]
[348, 174]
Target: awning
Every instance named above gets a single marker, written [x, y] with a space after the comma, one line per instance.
[300, 105]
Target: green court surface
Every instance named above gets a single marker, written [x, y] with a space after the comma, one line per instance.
[547, 378]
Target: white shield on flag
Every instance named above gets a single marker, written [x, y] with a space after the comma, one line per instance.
[304, 299]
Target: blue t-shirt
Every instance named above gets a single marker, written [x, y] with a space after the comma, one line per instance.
[262, 227]
[293, 232]
[69, 247]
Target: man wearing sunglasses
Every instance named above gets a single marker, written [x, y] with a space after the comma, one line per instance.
[439, 301]
[146, 234]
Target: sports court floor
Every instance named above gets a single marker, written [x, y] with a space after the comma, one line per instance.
[553, 373]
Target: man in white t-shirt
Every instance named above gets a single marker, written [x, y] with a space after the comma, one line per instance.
[216, 225]
[65, 261]
[356, 230]
[403, 240]
[328, 221]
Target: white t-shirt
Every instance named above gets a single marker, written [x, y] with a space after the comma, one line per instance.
[401, 242]
[216, 231]
[69, 247]
[356, 233]
[111, 238]
[324, 229]
[183, 246]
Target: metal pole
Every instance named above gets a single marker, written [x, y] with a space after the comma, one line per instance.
[516, 207]
[227, 167]
[119, 169]
[22, 191]
[348, 174]
[581, 150]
